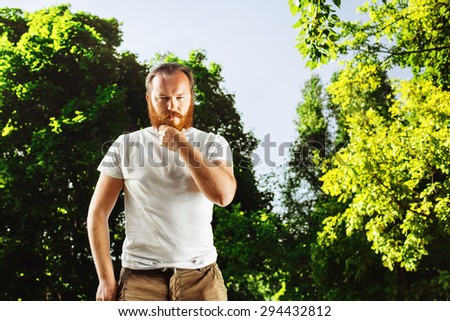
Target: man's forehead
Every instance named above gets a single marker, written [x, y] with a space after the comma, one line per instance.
[176, 77]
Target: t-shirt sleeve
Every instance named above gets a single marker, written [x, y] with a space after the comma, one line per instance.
[111, 162]
[219, 149]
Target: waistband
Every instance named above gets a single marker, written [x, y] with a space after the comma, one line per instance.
[165, 272]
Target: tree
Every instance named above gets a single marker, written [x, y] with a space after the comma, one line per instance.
[62, 98]
[66, 94]
[346, 269]
[388, 182]
[394, 175]
[300, 189]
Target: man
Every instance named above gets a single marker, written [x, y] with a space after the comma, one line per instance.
[172, 174]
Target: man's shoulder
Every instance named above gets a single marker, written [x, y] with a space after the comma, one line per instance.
[205, 135]
[140, 134]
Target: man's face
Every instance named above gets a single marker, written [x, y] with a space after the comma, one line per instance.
[170, 101]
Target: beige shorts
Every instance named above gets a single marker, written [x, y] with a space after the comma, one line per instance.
[204, 284]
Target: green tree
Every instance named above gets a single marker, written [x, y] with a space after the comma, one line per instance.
[394, 176]
[62, 98]
[389, 182]
[300, 189]
[347, 269]
[66, 94]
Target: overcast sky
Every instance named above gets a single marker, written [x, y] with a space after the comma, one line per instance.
[252, 40]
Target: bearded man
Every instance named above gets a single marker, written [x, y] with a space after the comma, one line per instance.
[172, 175]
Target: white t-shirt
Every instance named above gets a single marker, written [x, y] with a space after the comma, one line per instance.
[167, 218]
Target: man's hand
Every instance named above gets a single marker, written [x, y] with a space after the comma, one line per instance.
[170, 137]
[107, 291]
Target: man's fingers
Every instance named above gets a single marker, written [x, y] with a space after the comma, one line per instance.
[170, 137]
[167, 135]
[164, 127]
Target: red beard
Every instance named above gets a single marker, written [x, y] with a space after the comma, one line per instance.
[172, 119]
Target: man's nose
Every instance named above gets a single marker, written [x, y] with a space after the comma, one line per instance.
[173, 103]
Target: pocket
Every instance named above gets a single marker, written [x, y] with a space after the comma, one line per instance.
[217, 272]
[124, 274]
[219, 281]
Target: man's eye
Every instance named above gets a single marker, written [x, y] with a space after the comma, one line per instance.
[163, 98]
[181, 97]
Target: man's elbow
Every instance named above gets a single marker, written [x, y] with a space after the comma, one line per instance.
[226, 197]
[224, 200]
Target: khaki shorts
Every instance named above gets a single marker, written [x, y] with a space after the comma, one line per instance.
[204, 284]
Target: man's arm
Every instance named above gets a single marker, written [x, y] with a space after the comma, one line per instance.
[102, 203]
[214, 179]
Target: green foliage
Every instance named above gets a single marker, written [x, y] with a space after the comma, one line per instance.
[301, 188]
[318, 30]
[250, 252]
[383, 223]
[410, 34]
[396, 174]
[386, 190]
[311, 122]
[61, 100]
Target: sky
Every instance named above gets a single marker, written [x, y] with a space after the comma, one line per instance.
[253, 41]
